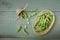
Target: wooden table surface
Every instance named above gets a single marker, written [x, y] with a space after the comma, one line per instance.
[8, 23]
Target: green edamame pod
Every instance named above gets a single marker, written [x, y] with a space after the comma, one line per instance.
[43, 21]
[32, 14]
[25, 26]
[18, 29]
[25, 15]
[25, 32]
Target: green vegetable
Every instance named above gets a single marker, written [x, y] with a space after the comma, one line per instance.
[25, 26]
[33, 11]
[28, 21]
[18, 29]
[23, 15]
[43, 21]
[32, 14]
[25, 32]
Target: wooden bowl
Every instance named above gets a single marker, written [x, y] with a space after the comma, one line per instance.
[47, 29]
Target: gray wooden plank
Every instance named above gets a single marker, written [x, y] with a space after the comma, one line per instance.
[8, 25]
[26, 39]
[12, 5]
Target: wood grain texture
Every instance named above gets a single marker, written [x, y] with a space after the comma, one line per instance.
[8, 24]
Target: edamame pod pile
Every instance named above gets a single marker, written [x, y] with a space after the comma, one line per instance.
[42, 21]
